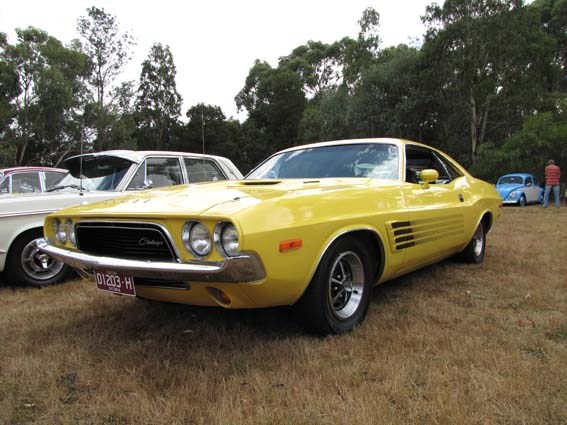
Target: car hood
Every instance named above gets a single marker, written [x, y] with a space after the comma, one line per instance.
[505, 189]
[219, 198]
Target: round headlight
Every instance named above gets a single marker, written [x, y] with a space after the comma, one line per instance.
[71, 232]
[229, 240]
[226, 239]
[60, 232]
[196, 239]
[512, 195]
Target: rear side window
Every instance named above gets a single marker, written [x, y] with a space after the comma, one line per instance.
[26, 182]
[202, 170]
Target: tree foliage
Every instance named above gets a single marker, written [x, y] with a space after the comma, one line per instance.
[158, 105]
[488, 85]
[108, 50]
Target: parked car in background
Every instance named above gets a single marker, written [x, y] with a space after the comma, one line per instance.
[17, 180]
[92, 177]
[314, 226]
[519, 189]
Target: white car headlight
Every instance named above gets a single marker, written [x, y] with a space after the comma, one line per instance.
[196, 239]
[226, 239]
[512, 195]
[60, 232]
[70, 229]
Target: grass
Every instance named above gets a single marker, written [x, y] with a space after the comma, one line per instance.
[450, 344]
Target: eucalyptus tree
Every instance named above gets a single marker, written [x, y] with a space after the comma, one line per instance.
[158, 105]
[46, 98]
[275, 102]
[487, 58]
[359, 54]
[108, 50]
[318, 65]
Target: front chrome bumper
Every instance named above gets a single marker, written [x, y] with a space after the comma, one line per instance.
[245, 268]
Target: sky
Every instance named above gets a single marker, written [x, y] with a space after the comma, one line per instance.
[215, 43]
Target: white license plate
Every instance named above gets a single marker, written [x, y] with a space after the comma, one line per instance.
[117, 283]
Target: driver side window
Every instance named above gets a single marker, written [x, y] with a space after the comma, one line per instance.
[419, 158]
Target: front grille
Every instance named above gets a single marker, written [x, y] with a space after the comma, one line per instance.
[132, 241]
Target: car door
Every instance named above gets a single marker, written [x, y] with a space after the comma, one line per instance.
[437, 210]
[531, 190]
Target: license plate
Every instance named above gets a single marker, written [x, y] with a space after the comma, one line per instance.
[117, 283]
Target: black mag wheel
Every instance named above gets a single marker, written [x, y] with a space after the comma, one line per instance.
[475, 250]
[338, 296]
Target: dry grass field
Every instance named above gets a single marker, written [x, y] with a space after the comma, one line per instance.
[450, 344]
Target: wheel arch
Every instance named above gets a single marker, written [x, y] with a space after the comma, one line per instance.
[370, 238]
[487, 220]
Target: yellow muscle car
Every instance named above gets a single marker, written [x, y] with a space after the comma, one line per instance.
[314, 226]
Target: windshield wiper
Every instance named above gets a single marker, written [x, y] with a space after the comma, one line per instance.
[65, 186]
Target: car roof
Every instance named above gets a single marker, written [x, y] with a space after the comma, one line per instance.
[30, 168]
[382, 140]
[138, 156]
[518, 175]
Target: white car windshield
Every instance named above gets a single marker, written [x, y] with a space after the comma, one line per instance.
[94, 173]
[368, 160]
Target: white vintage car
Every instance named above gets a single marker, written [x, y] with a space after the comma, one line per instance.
[92, 177]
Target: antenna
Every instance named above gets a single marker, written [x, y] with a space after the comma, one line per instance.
[203, 126]
[81, 169]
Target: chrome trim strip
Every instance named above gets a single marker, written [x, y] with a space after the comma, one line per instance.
[245, 268]
[24, 213]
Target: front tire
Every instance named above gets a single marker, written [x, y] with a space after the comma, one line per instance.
[26, 264]
[474, 252]
[522, 201]
[338, 296]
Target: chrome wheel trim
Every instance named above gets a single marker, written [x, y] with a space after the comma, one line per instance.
[37, 265]
[346, 285]
[478, 241]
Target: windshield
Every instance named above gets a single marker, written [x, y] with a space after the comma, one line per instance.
[380, 161]
[94, 173]
[511, 180]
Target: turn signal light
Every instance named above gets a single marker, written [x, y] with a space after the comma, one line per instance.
[290, 245]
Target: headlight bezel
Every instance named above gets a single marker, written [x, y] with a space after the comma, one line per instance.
[71, 236]
[188, 232]
[60, 233]
[224, 234]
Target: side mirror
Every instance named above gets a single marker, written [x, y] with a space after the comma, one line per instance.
[427, 176]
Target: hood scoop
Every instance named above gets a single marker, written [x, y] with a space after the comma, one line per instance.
[270, 182]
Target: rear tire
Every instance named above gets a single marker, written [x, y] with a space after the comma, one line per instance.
[474, 252]
[338, 296]
[27, 265]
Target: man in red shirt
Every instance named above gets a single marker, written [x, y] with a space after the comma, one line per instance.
[552, 176]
